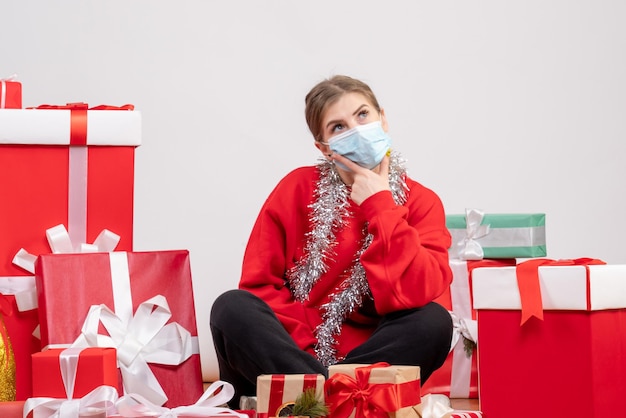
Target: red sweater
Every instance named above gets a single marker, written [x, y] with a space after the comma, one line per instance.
[406, 264]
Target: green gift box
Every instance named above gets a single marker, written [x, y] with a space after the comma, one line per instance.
[477, 235]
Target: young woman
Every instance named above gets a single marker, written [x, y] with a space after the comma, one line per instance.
[344, 260]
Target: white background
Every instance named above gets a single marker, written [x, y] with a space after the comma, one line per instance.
[505, 106]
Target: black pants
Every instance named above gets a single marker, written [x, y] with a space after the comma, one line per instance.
[250, 341]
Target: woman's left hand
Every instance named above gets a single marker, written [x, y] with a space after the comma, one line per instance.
[366, 182]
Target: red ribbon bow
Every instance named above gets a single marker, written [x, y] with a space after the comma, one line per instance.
[528, 282]
[84, 106]
[345, 394]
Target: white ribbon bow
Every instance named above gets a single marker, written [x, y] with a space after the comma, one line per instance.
[209, 404]
[435, 406]
[23, 288]
[469, 248]
[60, 243]
[3, 90]
[144, 339]
[463, 327]
[102, 398]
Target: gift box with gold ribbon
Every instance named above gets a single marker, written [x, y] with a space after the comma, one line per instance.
[140, 303]
[377, 390]
[551, 337]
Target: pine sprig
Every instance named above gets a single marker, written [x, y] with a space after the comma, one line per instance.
[309, 405]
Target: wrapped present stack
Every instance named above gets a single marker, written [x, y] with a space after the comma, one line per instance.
[67, 168]
[85, 321]
[479, 240]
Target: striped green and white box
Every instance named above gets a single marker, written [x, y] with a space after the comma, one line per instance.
[477, 235]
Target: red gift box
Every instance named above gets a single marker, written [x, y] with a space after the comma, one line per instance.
[10, 93]
[126, 288]
[87, 369]
[276, 390]
[571, 362]
[49, 177]
[458, 377]
[45, 181]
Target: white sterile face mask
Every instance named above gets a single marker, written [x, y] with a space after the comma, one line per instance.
[366, 145]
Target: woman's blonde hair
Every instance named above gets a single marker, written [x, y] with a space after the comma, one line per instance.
[328, 92]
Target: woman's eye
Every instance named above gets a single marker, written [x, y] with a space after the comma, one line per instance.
[338, 127]
[363, 114]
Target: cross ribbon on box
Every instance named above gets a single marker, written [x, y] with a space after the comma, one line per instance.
[528, 282]
[144, 338]
[464, 327]
[209, 404]
[469, 248]
[346, 394]
[102, 398]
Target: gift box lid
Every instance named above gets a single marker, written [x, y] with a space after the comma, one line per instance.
[54, 127]
[573, 287]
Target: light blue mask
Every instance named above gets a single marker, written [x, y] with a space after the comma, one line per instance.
[366, 145]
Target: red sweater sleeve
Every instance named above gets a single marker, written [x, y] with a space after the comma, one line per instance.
[272, 246]
[407, 261]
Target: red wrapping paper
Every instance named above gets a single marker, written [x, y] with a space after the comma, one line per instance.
[68, 284]
[34, 182]
[10, 94]
[441, 381]
[571, 362]
[12, 409]
[96, 367]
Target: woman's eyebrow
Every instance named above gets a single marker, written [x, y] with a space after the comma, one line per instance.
[356, 112]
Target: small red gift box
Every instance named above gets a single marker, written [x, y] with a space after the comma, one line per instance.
[274, 391]
[569, 363]
[145, 301]
[10, 93]
[82, 369]
[458, 377]
[373, 389]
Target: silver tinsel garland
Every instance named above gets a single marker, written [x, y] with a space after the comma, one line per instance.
[328, 214]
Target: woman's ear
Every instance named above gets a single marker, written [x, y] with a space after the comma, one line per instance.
[383, 120]
[324, 149]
